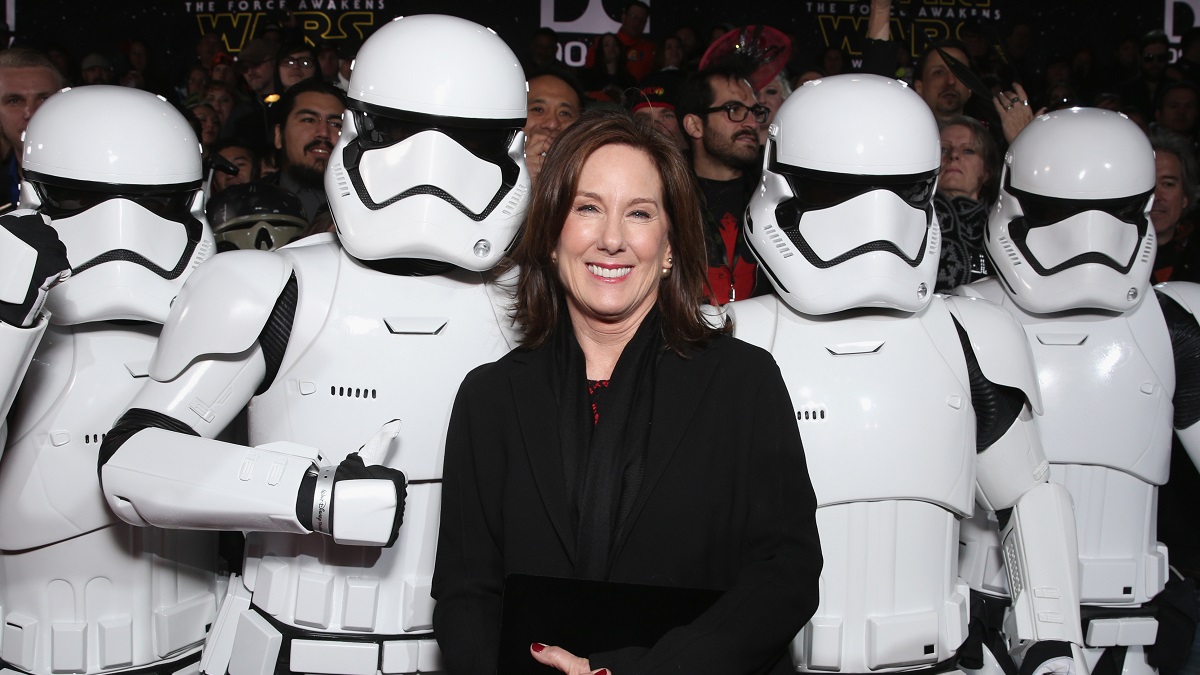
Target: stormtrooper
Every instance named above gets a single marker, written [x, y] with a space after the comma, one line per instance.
[1116, 360]
[913, 406]
[116, 173]
[349, 350]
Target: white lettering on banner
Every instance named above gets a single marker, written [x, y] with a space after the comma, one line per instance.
[594, 20]
[574, 54]
[1176, 32]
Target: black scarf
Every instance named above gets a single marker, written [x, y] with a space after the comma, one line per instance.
[963, 260]
[603, 463]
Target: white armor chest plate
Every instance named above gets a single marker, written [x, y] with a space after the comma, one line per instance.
[367, 348]
[82, 591]
[1107, 381]
[881, 394]
[889, 434]
[78, 384]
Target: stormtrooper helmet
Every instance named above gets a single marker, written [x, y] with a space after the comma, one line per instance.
[255, 216]
[1071, 230]
[430, 164]
[843, 217]
[118, 171]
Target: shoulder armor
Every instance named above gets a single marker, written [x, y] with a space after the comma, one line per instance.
[221, 310]
[1000, 345]
[754, 320]
[1186, 293]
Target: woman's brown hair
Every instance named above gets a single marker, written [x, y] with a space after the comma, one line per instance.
[540, 295]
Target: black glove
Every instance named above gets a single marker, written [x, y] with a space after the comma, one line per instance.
[352, 468]
[51, 266]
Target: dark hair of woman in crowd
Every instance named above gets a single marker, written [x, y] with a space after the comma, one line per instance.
[540, 293]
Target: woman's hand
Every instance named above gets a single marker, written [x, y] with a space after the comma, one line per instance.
[565, 661]
[1015, 113]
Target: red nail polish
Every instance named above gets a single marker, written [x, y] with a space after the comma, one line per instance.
[602, 671]
[537, 646]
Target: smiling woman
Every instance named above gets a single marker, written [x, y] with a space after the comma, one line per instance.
[586, 454]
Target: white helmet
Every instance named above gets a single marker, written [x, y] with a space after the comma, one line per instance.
[118, 171]
[1071, 229]
[843, 217]
[431, 160]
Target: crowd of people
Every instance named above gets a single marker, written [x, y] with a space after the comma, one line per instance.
[653, 254]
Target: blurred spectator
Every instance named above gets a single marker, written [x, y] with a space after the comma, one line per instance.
[191, 90]
[251, 120]
[223, 68]
[655, 99]
[137, 56]
[222, 98]
[543, 51]
[295, 64]
[207, 47]
[256, 63]
[968, 185]
[772, 96]
[639, 51]
[209, 124]
[133, 79]
[1154, 51]
[327, 61]
[1174, 193]
[554, 104]
[832, 61]
[1188, 62]
[1175, 110]
[27, 79]
[96, 69]
[243, 161]
[607, 77]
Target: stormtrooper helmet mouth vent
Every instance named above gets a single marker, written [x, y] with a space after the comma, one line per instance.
[468, 146]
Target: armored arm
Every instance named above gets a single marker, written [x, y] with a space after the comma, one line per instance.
[1038, 537]
[32, 261]
[223, 343]
[1178, 300]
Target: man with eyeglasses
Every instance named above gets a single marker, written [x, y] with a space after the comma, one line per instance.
[295, 64]
[720, 119]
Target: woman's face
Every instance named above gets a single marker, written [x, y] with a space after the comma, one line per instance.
[296, 67]
[221, 102]
[210, 125]
[223, 72]
[772, 97]
[197, 78]
[963, 172]
[611, 48]
[672, 52]
[613, 245]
